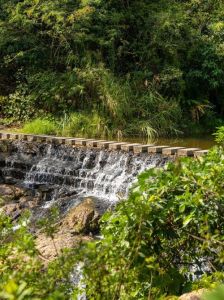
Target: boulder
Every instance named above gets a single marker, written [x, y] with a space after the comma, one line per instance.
[82, 218]
[12, 210]
[26, 202]
[44, 192]
[14, 200]
[195, 295]
[49, 249]
[10, 192]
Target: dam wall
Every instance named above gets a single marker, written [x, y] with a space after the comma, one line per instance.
[103, 144]
[63, 171]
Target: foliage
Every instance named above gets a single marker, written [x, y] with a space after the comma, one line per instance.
[23, 269]
[217, 294]
[219, 135]
[19, 105]
[129, 61]
[80, 124]
[164, 240]
[40, 126]
[165, 236]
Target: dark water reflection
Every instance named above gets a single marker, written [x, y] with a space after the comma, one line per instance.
[203, 142]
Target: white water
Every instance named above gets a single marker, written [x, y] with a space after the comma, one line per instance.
[103, 174]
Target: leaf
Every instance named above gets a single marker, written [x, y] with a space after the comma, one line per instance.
[188, 219]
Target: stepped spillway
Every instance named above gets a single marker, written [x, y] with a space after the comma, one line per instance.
[70, 169]
[86, 172]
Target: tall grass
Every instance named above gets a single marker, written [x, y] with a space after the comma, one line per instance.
[41, 126]
[120, 111]
[76, 124]
[85, 125]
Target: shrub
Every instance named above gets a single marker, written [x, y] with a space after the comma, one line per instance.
[167, 234]
[18, 106]
[40, 126]
[23, 269]
[219, 135]
[84, 124]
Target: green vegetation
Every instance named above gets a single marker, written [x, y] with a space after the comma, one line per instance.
[24, 274]
[105, 68]
[140, 66]
[171, 223]
[219, 135]
[41, 126]
[168, 231]
[82, 124]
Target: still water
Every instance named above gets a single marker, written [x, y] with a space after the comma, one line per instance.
[205, 142]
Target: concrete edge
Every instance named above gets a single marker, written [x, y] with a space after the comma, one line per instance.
[110, 145]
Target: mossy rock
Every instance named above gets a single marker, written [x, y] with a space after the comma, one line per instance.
[82, 218]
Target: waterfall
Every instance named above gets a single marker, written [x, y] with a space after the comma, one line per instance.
[104, 174]
[81, 172]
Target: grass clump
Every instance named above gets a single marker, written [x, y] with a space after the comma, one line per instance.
[84, 124]
[76, 124]
[40, 126]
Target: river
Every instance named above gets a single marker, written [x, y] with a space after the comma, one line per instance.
[203, 142]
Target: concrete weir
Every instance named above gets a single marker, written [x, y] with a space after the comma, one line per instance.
[109, 145]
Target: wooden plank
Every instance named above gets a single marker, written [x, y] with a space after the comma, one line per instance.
[23, 136]
[5, 136]
[82, 142]
[71, 141]
[94, 143]
[105, 145]
[52, 139]
[43, 138]
[32, 138]
[14, 136]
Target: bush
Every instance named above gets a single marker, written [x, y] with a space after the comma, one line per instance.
[219, 135]
[40, 126]
[84, 125]
[166, 239]
[18, 106]
[23, 269]
[167, 234]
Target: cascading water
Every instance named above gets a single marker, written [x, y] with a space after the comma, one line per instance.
[103, 174]
[63, 171]
[71, 174]
[65, 175]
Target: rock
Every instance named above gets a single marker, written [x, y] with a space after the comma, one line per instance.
[195, 295]
[14, 200]
[10, 180]
[82, 218]
[12, 210]
[28, 202]
[31, 149]
[44, 192]
[3, 146]
[49, 249]
[10, 192]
